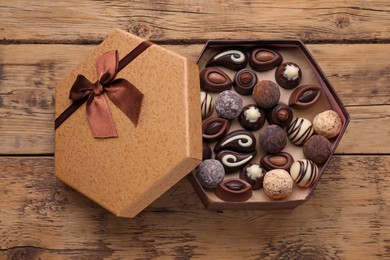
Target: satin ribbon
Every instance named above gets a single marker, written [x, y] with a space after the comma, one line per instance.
[121, 92]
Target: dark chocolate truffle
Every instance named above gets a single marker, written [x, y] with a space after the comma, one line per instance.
[244, 81]
[207, 153]
[228, 104]
[288, 75]
[280, 115]
[254, 175]
[264, 59]
[210, 173]
[317, 149]
[272, 139]
[252, 117]
[232, 59]
[266, 94]
[214, 80]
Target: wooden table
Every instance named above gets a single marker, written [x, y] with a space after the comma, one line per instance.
[40, 217]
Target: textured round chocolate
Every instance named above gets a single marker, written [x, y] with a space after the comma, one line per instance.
[215, 80]
[234, 190]
[317, 149]
[264, 59]
[266, 94]
[206, 153]
[304, 96]
[239, 141]
[327, 124]
[272, 139]
[228, 104]
[304, 172]
[206, 104]
[252, 117]
[288, 75]
[254, 175]
[210, 173]
[233, 161]
[280, 115]
[232, 59]
[280, 160]
[214, 128]
[300, 130]
[277, 184]
[244, 81]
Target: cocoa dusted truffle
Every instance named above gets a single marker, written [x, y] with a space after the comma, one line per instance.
[288, 75]
[228, 104]
[244, 81]
[210, 173]
[272, 139]
[327, 123]
[317, 149]
[252, 117]
[280, 115]
[278, 184]
[266, 94]
[254, 175]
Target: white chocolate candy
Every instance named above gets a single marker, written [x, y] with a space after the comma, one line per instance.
[206, 104]
[300, 130]
[304, 172]
[291, 72]
[252, 114]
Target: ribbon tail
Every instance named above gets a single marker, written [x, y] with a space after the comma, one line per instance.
[126, 97]
[99, 117]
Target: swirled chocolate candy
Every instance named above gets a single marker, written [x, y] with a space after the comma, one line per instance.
[228, 104]
[317, 149]
[304, 172]
[234, 190]
[280, 160]
[254, 175]
[215, 80]
[264, 59]
[280, 115]
[266, 94]
[233, 161]
[206, 151]
[252, 117]
[244, 81]
[239, 141]
[206, 104]
[299, 130]
[288, 75]
[278, 184]
[214, 128]
[232, 59]
[272, 139]
[304, 96]
[210, 173]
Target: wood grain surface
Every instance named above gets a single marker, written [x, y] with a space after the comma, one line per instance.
[41, 218]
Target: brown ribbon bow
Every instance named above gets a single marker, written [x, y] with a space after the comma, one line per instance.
[120, 91]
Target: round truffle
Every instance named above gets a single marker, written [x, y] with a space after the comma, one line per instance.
[252, 117]
[278, 184]
[206, 104]
[210, 173]
[207, 153]
[317, 149]
[288, 75]
[304, 172]
[280, 115]
[300, 130]
[266, 94]
[228, 104]
[254, 175]
[272, 139]
[327, 124]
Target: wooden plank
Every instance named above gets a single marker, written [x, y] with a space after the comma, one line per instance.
[91, 21]
[347, 218]
[28, 74]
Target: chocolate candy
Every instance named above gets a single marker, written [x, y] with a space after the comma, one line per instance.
[232, 59]
[214, 80]
[234, 190]
[266, 94]
[210, 173]
[244, 81]
[280, 115]
[272, 139]
[280, 160]
[239, 141]
[206, 104]
[254, 175]
[252, 117]
[304, 96]
[304, 172]
[228, 104]
[233, 161]
[317, 149]
[288, 75]
[299, 130]
[206, 153]
[327, 124]
[214, 128]
[264, 59]
[278, 184]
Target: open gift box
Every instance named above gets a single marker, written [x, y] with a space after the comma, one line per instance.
[124, 148]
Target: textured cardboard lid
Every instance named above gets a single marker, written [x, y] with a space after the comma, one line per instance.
[126, 174]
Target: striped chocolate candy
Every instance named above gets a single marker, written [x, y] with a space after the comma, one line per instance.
[304, 172]
[300, 130]
[206, 104]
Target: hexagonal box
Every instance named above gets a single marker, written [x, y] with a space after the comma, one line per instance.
[217, 54]
[126, 173]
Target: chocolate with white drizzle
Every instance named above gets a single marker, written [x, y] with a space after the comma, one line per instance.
[239, 141]
[300, 130]
[304, 172]
[232, 59]
[233, 161]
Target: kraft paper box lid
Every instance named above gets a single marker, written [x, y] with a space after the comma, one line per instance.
[127, 173]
